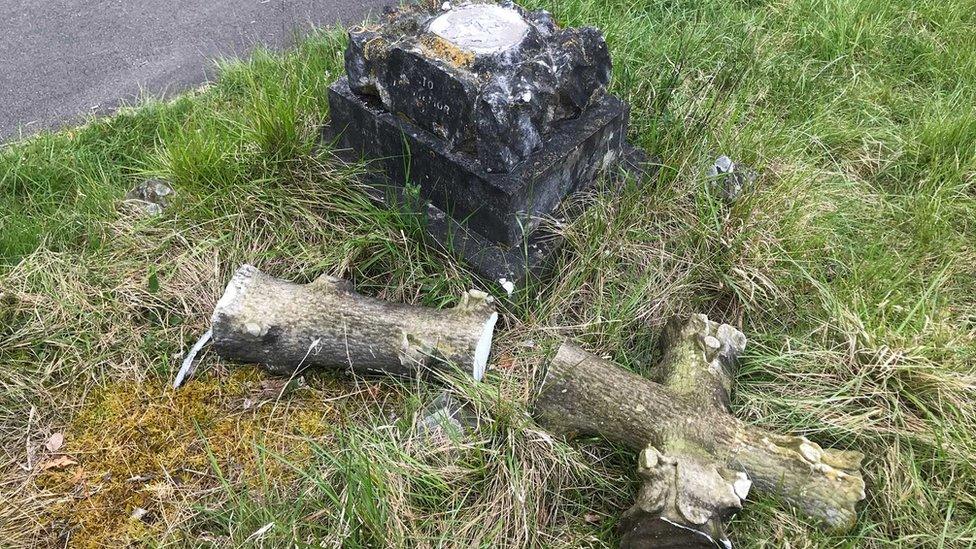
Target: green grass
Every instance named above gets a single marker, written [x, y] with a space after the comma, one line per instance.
[851, 267]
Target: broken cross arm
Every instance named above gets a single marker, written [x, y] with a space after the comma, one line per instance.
[287, 326]
[697, 460]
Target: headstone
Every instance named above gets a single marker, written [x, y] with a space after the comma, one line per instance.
[493, 111]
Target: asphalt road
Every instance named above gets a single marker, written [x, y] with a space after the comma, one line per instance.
[61, 60]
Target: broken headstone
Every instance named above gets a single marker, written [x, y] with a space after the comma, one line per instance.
[288, 327]
[728, 180]
[495, 113]
[698, 462]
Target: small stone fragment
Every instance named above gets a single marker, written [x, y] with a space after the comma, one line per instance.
[149, 197]
[729, 180]
[55, 442]
[507, 285]
[446, 417]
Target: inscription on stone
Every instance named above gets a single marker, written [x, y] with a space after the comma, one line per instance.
[425, 91]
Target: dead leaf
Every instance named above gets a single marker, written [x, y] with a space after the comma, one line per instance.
[373, 391]
[59, 462]
[55, 442]
[506, 362]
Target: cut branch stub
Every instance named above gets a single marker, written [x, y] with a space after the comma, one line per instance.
[286, 326]
[700, 359]
[684, 499]
[685, 422]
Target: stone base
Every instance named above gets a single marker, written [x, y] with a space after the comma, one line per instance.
[508, 266]
[502, 208]
[464, 204]
[514, 264]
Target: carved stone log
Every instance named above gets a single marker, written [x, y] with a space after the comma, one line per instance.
[684, 500]
[693, 450]
[688, 493]
[286, 326]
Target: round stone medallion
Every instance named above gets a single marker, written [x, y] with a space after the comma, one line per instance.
[481, 28]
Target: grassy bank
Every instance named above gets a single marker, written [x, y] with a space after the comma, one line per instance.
[850, 265]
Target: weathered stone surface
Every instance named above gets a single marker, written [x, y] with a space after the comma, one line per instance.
[502, 207]
[486, 77]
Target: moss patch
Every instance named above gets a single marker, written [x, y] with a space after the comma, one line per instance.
[141, 446]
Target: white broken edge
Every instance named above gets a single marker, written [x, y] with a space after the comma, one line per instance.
[186, 370]
[508, 286]
[230, 302]
[724, 541]
[237, 285]
[483, 349]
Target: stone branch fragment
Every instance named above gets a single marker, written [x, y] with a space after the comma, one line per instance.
[684, 500]
[698, 461]
[286, 326]
[699, 360]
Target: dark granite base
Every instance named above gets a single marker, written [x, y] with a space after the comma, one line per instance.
[507, 266]
[569, 162]
[503, 265]
[514, 264]
[502, 208]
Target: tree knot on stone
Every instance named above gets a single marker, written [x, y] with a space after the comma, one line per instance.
[333, 284]
[689, 488]
[416, 351]
[475, 302]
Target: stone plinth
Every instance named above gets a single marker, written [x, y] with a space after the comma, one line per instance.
[487, 77]
[493, 112]
[503, 207]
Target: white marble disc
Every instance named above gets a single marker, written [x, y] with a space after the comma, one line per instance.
[481, 28]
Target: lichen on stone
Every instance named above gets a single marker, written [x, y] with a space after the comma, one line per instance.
[437, 47]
